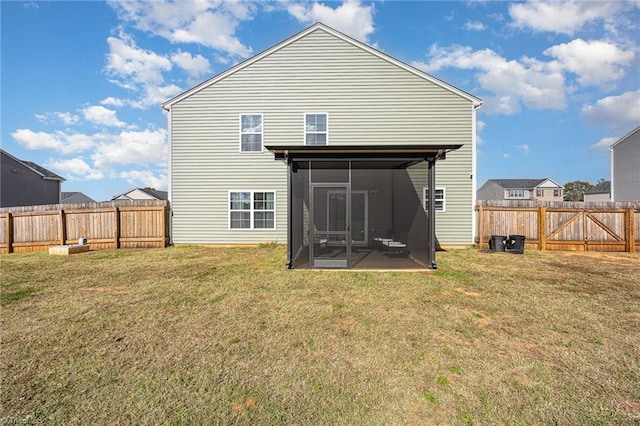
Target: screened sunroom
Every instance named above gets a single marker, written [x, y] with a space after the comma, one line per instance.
[361, 207]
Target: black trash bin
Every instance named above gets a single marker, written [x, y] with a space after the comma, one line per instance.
[497, 242]
[515, 244]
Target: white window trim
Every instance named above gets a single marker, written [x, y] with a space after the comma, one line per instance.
[508, 196]
[241, 133]
[444, 198]
[252, 210]
[304, 126]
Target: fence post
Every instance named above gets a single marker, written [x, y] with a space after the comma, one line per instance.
[542, 228]
[63, 228]
[630, 234]
[9, 232]
[116, 227]
[164, 226]
[479, 219]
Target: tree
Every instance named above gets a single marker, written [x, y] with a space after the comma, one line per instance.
[574, 191]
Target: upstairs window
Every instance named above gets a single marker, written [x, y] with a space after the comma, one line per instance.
[539, 192]
[557, 193]
[251, 132]
[316, 129]
[440, 199]
[515, 193]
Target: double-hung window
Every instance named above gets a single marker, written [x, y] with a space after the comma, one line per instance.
[440, 199]
[316, 129]
[251, 132]
[515, 193]
[252, 210]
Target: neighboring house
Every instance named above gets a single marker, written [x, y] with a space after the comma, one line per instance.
[142, 194]
[25, 183]
[521, 189]
[625, 167]
[599, 192]
[75, 197]
[328, 144]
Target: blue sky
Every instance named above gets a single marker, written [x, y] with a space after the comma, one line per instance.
[82, 82]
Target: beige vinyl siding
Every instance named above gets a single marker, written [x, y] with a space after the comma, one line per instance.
[368, 100]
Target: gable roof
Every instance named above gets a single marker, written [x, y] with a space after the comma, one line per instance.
[477, 102]
[159, 195]
[518, 183]
[625, 137]
[36, 168]
[600, 188]
[75, 197]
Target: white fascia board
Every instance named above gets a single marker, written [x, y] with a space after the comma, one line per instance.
[624, 138]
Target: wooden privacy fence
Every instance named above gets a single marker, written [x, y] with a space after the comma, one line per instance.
[562, 225]
[112, 224]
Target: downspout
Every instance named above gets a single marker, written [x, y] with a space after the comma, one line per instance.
[431, 232]
[289, 209]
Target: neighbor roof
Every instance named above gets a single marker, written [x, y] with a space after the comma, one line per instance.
[46, 174]
[75, 197]
[518, 183]
[600, 188]
[160, 195]
[319, 26]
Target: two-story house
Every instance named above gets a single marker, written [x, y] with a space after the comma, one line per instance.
[521, 189]
[625, 167]
[329, 145]
[25, 183]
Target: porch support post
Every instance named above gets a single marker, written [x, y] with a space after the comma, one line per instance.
[289, 219]
[431, 206]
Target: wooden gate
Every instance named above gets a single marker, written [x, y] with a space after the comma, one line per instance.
[597, 230]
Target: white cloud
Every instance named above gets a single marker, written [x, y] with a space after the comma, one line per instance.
[111, 101]
[603, 144]
[524, 148]
[131, 147]
[620, 112]
[195, 66]
[145, 178]
[103, 116]
[58, 141]
[528, 81]
[65, 117]
[351, 17]
[561, 16]
[142, 70]
[106, 150]
[155, 95]
[474, 26]
[74, 169]
[208, 23]
[479, 128]
[130, 65]
[595, 62]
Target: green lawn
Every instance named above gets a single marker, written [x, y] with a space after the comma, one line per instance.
[194, 335]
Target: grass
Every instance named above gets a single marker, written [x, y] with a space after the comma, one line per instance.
[194, 335]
